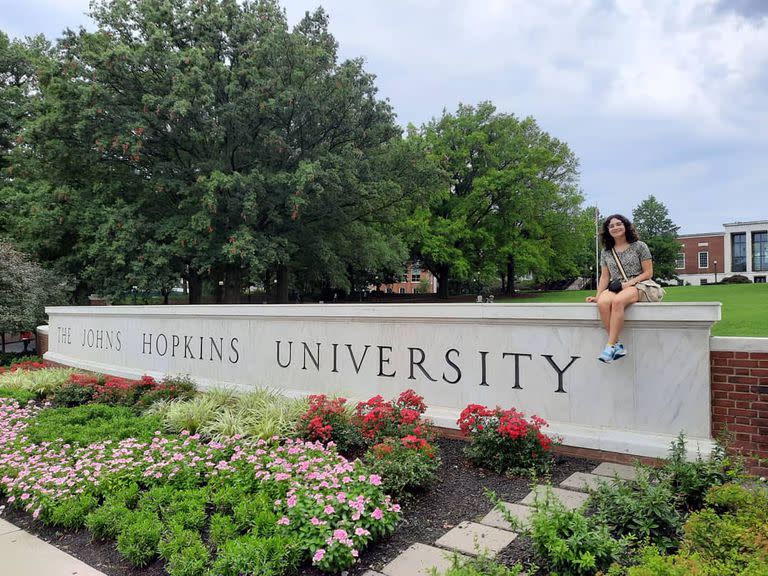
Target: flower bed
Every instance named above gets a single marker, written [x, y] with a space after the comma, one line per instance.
[334, 507]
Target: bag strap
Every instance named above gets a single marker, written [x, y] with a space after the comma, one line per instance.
[618, 263]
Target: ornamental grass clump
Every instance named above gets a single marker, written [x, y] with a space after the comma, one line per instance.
[504, 440]
[43, 382]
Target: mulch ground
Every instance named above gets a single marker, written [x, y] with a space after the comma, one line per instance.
[458, 494]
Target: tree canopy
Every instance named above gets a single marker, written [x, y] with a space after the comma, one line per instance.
[512, 205]
[208, 140]
[655, 227]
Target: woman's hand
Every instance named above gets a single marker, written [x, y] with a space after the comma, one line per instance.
[591, 299]
[628, 284]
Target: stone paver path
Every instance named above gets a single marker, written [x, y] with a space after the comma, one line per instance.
[418, 560]
[496, 519]
[621, 470]
[474, 539]
[568, 498]
[582, 481]
[493, 533]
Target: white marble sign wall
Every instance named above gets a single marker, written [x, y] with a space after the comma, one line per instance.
[539, 358]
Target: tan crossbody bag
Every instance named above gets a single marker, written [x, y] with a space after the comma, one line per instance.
[649, 290]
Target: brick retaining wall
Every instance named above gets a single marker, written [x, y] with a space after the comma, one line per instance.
[42, 341]
[740, 402]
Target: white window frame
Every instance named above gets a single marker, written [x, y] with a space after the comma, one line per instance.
[699, 259]
[683, 266]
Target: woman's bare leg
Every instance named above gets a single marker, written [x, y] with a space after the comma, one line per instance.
[604, 302]
[618, 305]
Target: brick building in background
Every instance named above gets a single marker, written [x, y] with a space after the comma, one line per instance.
[416, 280]
[741, 249]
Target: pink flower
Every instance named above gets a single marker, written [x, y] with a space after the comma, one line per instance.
[284, 521]
[375, 479]
[377, 514]
[319, 554]
[329, 509]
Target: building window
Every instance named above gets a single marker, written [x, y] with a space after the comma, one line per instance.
[739, 252]
[759, 251]
[703, 259]
[389, 290]
[415, 272]
[704, 281]
[759, 279]
[402, 290]
[680, 261]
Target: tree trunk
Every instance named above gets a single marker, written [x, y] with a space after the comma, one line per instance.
[2, 339]
[442, 282]
[195, 287]
[232, 285]
[510, 276]
[165, 292]
[282, 284]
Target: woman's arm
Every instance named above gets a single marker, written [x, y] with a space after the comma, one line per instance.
[602, 284]
[646, 274]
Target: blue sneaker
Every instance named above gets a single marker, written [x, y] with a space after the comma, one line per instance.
[608, 354]
[619, 351]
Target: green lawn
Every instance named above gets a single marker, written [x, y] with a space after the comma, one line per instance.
[745, 306]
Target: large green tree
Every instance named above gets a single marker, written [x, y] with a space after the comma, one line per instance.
[26, 289]
[512, 204]
[655, 227]
[218, 145]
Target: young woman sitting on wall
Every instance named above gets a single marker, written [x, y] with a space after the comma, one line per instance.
[619, 288]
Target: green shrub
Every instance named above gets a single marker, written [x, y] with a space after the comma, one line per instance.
[191, 561]
[139, 538]
[406, 465]
[11, 358]
[736, 279]
[21, 396]
[71, 513]
[641, 508]
[222, 528]
[42, 382]
[250, 554]
[226, 496]
[256, 515]
[157, 499]
[126, 495]
[107, 521]
[729, 543]
[653, 563]
[90, 423]
[690, 480]
[73, 394]
[570, 542]
[187, 509]
[175, 539]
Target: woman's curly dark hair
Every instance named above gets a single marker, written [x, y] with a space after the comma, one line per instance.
[629, 231]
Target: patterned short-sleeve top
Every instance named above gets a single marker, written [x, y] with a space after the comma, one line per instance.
[631, 258]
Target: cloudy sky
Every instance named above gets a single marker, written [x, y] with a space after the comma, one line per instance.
[655, 96]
